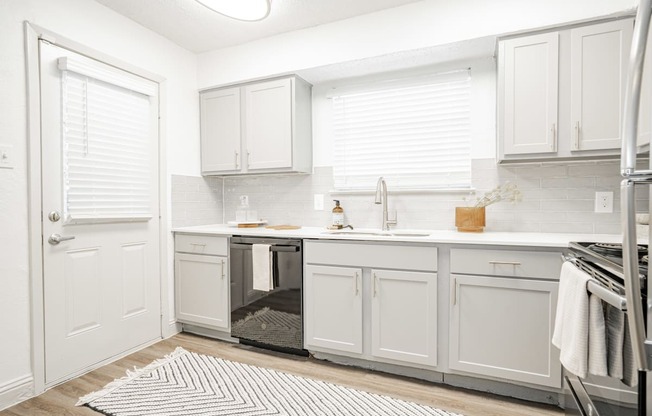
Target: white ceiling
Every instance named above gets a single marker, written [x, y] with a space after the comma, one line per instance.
[194, 27]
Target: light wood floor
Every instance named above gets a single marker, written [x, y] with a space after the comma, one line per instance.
[61, 399]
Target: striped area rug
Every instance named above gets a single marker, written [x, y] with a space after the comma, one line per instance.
[185, 383]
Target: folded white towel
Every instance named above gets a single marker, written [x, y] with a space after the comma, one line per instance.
[597, 338]
[571, 334]
[262, 267]
[615, 335]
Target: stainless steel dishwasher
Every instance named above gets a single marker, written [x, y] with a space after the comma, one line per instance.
[274, 319]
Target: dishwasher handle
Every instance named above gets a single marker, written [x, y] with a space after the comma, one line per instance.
[276, 247]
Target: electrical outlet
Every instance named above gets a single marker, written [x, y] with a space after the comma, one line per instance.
[244, 200]
[604, 202]
[319, 202]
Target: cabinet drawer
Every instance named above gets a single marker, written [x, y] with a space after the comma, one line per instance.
[403, 257]
[537, 264]
[201, 244]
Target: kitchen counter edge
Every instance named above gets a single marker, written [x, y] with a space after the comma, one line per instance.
[434, 236]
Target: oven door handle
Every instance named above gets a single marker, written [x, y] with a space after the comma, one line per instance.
[631, 273]
[276, 247]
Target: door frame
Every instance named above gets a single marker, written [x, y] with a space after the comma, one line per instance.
[33, 34]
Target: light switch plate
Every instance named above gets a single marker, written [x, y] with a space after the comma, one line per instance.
[6, 156]
[319, 202]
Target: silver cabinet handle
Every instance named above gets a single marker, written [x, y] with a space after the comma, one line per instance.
[630, 269]
[236, 160]
[375, 283]
[633, 88]
[577, 136]
[508, 263]
[356, 283]
[454, 291]
[553, 132]
[55, 239]
[248, 154]
[223, 274]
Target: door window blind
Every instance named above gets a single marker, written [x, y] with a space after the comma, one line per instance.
[415, 133]
[106, 156]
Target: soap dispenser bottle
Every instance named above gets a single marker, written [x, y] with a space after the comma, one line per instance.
[338, 215]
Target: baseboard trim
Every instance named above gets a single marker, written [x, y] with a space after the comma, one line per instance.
[15, 391]
[172, 329]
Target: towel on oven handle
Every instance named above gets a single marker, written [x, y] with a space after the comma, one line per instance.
[262, 267]
[597, 338]
[571, 333]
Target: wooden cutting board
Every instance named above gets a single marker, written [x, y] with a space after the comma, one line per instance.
[283, 227]
[248, 225]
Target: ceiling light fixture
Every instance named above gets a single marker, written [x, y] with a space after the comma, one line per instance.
[246, 10]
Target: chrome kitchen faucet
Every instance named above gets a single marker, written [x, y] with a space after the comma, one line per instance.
[381, 198]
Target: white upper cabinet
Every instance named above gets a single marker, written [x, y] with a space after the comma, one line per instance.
[220, 130]
[599, 59]
[530, 76]
[261, 127]
[269, 124]
[561, 94]
[645, 111]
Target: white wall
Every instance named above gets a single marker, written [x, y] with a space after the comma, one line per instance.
[414, 26]
[95, 26]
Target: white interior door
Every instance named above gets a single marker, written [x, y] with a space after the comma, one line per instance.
[100, 187]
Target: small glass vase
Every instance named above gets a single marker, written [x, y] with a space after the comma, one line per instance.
[470, 219]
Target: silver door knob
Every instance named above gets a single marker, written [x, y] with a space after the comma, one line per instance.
[54, 216]
[56, 239]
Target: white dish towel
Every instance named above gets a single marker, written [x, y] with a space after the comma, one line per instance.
[262, 267]
[571, 333]
[597, 338]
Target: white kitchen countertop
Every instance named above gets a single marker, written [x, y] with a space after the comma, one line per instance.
[434, 236]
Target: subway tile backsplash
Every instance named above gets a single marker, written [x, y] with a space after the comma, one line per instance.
[196, 201]
[556, 198]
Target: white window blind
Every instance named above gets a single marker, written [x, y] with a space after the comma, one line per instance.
[106, 156]
[415, 133]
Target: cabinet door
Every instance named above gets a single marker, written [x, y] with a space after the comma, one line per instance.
[220, 130]
[404, 316]
[268, 124]
[645, 110]
[333, 308]
[503, 328]
[599, 59]
[529, 75]
[202, 290]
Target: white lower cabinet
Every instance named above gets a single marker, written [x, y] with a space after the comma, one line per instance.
[502, 327]
[372, 301]
[202, 290]
[404, 316]
[333, 309]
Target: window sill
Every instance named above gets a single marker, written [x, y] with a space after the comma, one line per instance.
[404, 191]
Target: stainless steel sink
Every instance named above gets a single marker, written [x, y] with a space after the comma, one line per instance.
[396, 233]
[409, 234]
